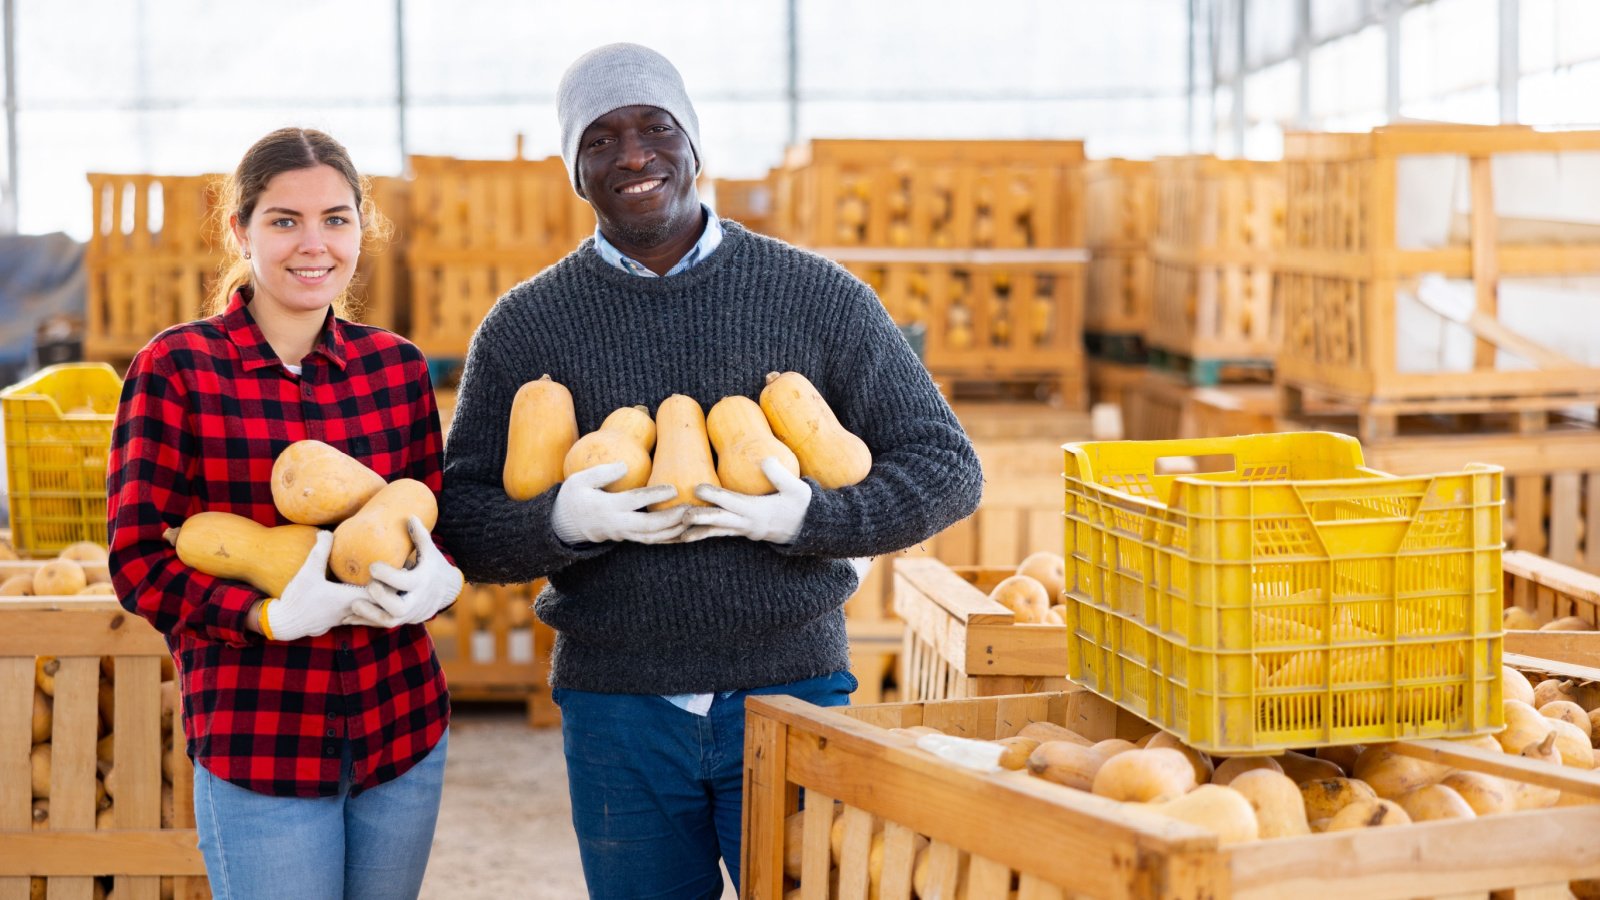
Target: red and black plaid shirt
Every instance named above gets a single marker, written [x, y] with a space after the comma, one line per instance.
[206, 408]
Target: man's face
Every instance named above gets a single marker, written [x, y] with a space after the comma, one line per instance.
[636, 168]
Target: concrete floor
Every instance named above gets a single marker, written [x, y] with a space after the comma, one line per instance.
[505, 827]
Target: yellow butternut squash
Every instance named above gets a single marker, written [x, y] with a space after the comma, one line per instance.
[804, 422]
[59, 577]
[317, 484]
[739, 431]
[1324, 797]
[1234, 766]
[1145, 776]
[626, 436]
[1515, 618]
[1379, 813]
[229, 546]
[1049, 569]
[1515, 686]
[378, 532]
[683, 451]
[1434, 802]
[1221, 810]
[1201, 763]
[1027, 599]
[543, 428]
[1068, 763]
[1487, 795]
[1276, 801]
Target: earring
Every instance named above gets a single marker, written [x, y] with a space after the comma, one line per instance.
[247, 254]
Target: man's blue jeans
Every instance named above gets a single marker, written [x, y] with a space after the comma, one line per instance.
[374, 845]
[657, 791]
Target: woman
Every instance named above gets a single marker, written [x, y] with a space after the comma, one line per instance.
[317, 720]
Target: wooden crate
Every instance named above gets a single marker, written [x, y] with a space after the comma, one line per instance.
[1343, 270]
[136, 851]
[1120, 200]
[999, 321]
[959, 643]
[1219, 224]
[1551, 590]
[931, 194]
[492, 647]
[1165, 406]
[747, 201]
[156, 250]
[478, 228]
[1059, 843]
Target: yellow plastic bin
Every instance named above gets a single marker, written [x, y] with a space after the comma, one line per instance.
[1296, 599]
[58, 430]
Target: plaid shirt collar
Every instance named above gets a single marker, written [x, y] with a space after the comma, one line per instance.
[254, 351]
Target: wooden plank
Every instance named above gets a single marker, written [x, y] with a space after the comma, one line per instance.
[1591, 534]
[855, 848]
[59, 854]
[816, 851]
[765, 794]
[40, 625]
[899, 856]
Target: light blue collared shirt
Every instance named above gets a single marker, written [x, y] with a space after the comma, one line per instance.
[709, 240]
[699, 704]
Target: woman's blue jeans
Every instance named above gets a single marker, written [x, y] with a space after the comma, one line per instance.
[373, 846]
[657, 791]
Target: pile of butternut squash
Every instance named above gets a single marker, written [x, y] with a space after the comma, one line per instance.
[1515, 618]
[81, 569]
[1034, 593]
[314, 485]
[683, 445]
[1252, 798]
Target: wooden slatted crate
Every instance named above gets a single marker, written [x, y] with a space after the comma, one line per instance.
[1055, 843]
[478, 228]
[1120, 200]
[988, 317]
[1165, 406]
[492, 647]
[134, 848]
[748, 201]
[931, 194]
[1551, 591]
[1356, 248]
[1219, 224]
[959, 643]
[156, 249]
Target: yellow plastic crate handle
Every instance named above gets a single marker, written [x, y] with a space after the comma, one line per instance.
[1093, 460]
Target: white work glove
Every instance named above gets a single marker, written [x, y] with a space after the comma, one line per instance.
[311, 604]
[585, 511]
[764, 517]
[409, 596]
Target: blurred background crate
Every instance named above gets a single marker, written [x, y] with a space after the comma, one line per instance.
[57, 432]
[1120, 203]
[492, 647]
[748, 201]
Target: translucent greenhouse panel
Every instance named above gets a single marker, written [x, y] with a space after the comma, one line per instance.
[1348, 82]
[70, 53]
[1270, 31]
[1568, 97]
[1476, 106]
[482, 130]
[1558, 33]
[60, 148]
[1448, 47]
[1271, 104]
[1332, 17]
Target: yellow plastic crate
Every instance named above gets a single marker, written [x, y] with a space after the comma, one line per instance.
[1297, 600]
[58, 429]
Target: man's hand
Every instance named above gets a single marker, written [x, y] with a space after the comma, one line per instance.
[311, 604]
[775, 518]
[586, 511]
[409, 596]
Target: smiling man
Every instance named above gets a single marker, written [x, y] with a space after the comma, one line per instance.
[667, 620]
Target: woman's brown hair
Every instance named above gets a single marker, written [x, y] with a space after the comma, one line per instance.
[285, 150]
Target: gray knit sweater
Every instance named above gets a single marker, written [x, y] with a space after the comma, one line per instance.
[724, 613]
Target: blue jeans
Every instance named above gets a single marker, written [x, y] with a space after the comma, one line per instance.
[657, 792]
[374, 845]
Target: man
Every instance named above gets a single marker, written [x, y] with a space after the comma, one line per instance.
[667, 620]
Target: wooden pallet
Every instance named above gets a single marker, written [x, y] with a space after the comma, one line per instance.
[1374, 419]
[1218, 226]
[1343, 268]
[492, 647]
[931, 194]
[993, 318]
[1058, 843]
[136, 852]
[156, 249]
[478, 228]
[1164, 407]
[1120, 199]
[1551, 591]
[747, 201]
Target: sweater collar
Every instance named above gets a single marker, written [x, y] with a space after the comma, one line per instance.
[734, 238]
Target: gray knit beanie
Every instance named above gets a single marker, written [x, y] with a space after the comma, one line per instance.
[614, 76]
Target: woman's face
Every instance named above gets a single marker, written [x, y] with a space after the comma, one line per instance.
[303, 239]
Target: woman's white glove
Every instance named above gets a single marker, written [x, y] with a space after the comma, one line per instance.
[311, 604]
[585, 511]
[760, 517]
[408, 596]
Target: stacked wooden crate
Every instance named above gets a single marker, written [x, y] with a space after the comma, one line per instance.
[478, 228]
[979, 242]
[1353, 270]
[1120, 199]
[157, 247]
[748, 201]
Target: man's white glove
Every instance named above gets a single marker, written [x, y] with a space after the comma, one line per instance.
[585, 511]
[409, 596]
[311, 604]
[764, 517]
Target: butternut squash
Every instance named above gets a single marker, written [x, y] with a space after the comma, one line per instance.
[1145, 776]
[1392, 775]
[1487, 795]
[1017, 751]
[543, 428]
[1049, 569]
[1342, 755]
[1218, 809]
[1027, 599]
[1573, 744]
[1068, 763]
[1378, 813]
[39, 767]
[804, 422]
[1550, 690]
[1524, 726]
[1435, 802]
[626, 436]
[316, 484]
[1534, 796]
[1515, 618]
[1569, 712]
[378, 532]
[59, 578]
[1050, 731]
[229, 546]
[1324, 797]
[84, 552]
[1233, 767]
[17, 586]
[1201, 763]
[1276, 801]
[683, 451]
[1302, 768]
[1568, 623]
[739, 431]
[1515, 686]
[43, 707]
